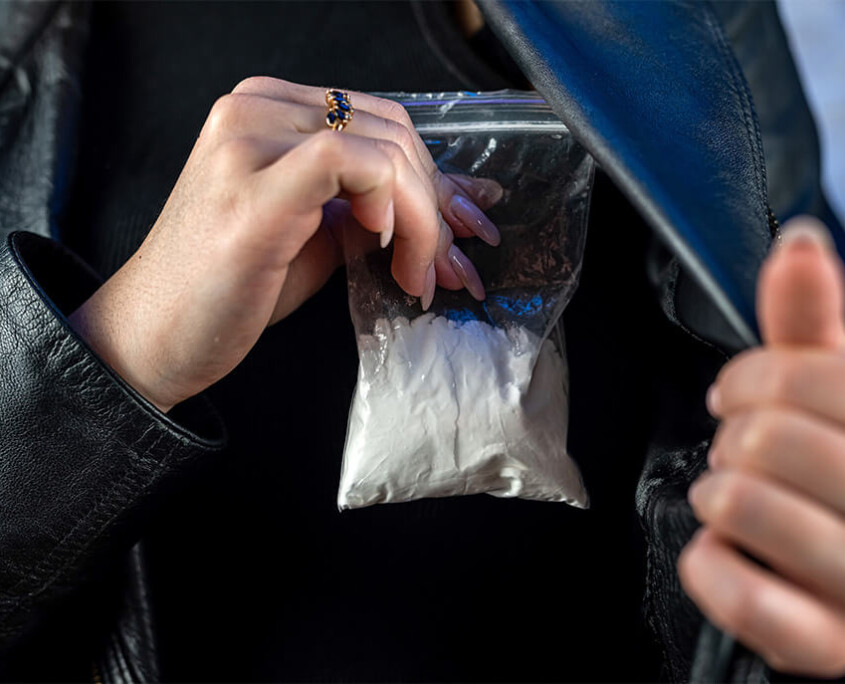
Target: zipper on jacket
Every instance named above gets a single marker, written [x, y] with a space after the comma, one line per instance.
[774, 226]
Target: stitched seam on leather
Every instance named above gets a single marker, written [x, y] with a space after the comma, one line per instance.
[742, 92]
[717, 35]
[64, 545]
[140, 470]
[108, 506]
[172, 429]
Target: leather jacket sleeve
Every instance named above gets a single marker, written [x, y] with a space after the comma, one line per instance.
[82, 455]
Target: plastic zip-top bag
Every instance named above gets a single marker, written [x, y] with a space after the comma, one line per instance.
[472, 397]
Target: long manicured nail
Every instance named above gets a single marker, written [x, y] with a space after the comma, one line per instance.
[428, 288]
[465, 270]
[802, 232]
[387, 233]
[475, 220]
[486, 191]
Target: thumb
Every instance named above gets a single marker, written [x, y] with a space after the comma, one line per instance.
[800, 298]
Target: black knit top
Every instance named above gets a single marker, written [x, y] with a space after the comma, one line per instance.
[256, 576]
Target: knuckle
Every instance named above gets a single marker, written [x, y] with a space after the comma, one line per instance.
[258, 84]
[739, 368]
[326, 147]
[785, 378]
[399, 135]
[234, 157]
[743, 616]
[731, 503]
[394, 157]
[405, 139]
[226, 113]
[394, 110]
[391, 149]
[757, 435]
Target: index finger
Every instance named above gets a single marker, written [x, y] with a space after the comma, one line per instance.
[315, 96]
[806, 379]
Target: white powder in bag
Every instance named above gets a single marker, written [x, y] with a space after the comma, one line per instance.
[447, 408]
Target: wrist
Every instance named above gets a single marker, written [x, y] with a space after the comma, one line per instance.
[105, 334]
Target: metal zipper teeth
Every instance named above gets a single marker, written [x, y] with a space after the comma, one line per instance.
[95, 673]
[774, 226]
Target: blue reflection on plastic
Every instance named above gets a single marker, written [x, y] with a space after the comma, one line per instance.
[460, 315]
[516, 307]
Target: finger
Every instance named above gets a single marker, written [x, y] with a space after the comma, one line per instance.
[485, 192]
[462, 214]
[453, 267]
[379, 183]
[447, 277]
[316, 97]
[287, 197]
[308, 273]
[795, 535]
[794, 631]
[805, 379]
[790, 447]
[242, 114]
[466, 272]
[387, 119]
[800, 299]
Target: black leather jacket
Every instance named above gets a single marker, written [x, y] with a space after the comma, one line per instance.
[83, 456]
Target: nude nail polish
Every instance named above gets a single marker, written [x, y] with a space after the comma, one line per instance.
[428, 289]
[465, 270]
[387, 233]
[801, 232]
[475, 220]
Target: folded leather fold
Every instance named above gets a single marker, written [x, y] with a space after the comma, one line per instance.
[82, 453]
[654, 92]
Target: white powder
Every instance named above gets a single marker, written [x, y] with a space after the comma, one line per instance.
[444, 408]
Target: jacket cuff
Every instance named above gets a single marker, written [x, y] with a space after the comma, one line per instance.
[82, 454]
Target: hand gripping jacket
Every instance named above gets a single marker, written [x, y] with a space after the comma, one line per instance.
[662, 94]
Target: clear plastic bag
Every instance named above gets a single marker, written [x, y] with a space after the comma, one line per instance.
[471, 396]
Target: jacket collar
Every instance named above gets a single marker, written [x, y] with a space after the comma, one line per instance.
[655, 94]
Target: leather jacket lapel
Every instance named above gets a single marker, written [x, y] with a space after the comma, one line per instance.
[655, 93]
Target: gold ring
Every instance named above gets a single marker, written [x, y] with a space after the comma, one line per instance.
[340, 110]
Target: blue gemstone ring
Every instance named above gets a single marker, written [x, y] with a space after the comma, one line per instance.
[340, 110]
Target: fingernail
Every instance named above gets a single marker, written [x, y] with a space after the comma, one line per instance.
[389, 219]
[487, 191]
[699, 489]
[714, 400]
[806, 234]
[428, 288]
[713, 458]
[465, 270]
[474, 219]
